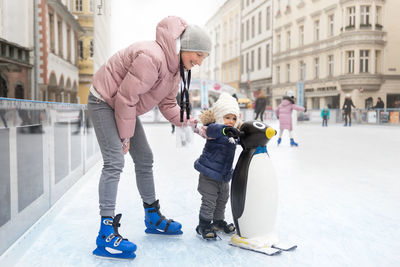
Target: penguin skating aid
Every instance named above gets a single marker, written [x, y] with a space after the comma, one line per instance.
[254, 193]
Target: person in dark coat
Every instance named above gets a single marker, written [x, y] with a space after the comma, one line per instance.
[348, 103]
[215, 165]
[261, 103]
[379, 104]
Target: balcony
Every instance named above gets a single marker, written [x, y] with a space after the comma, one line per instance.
[365, 26]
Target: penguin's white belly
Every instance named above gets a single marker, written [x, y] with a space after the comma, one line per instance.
[261, 202]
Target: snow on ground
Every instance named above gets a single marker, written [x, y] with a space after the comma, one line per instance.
[339, 201]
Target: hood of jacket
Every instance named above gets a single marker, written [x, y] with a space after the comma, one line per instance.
[167, 32]
[286, 102]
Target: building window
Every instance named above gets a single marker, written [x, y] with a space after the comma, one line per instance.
[242, 33]
[301, 35]
[267, 56]
[91, 6]
[259, 22]
[288, 40]
[316, 67]
[278, 74]
[252, 60]
[52, 33]
[78, 5]
[69, 44]
[331, 25]
[364, 60]
[316, 30]
[330, 65]
[247, 29]
[253, 27]
[60, 38]
[278, 43]
[259, 58]
[378, 15]
[241, 64]
[377, 61]
[247, 62]
[350, 61]
[80, 49]
[351, 16]
[268, 22]
[288, 73]
[365, 15]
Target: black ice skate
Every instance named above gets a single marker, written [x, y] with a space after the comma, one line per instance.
[205, 230]
[222, 225]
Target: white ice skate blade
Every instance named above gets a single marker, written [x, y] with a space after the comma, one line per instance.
[114, 259]
[285, 246]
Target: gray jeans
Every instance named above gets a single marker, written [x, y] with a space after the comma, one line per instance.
[102, 117]
[214, 196]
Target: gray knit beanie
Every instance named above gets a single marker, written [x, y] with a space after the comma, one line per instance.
[195, 39]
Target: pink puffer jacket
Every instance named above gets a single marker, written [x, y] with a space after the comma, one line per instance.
[284, 114]
[142, 76]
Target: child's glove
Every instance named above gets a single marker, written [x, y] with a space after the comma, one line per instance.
[231, 132]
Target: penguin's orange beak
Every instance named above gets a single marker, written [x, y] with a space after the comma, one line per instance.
[270, 132]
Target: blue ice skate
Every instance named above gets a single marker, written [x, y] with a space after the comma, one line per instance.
[293, 143]
[156, 223]
[110, 243]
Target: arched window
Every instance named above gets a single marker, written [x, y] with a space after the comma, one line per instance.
[3, 87]
[19, 92]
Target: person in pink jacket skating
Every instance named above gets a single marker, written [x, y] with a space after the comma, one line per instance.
[131, 83]
[284, 114]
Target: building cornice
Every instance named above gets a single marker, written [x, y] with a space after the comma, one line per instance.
[330, 8]
[328, 44]
[301, 20]
[265, 40]
[316, 14]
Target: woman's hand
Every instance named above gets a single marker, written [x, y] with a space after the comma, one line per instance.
[192, 122]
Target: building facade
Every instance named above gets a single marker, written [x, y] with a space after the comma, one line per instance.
[327, 49]
[58, 41]
[16, 49]
[230, 36]
[94, 45]
[84, 10]
[256, 48]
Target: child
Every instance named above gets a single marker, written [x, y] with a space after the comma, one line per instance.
[325, 114]
[284, 114]
[215, 165]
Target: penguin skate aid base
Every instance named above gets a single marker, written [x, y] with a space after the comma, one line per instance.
[254, 193]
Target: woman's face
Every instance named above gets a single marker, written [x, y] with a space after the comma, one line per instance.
[191, 59]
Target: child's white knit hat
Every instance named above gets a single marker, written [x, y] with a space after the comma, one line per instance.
[226, 104]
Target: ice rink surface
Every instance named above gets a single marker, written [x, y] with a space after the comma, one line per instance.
[339, 201]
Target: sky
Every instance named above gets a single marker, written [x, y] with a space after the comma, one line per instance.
[136, 20]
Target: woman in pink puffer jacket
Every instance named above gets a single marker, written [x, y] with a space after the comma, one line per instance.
[129, 84]
[284, 114]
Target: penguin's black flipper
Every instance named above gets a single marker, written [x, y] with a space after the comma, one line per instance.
[239, 185]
